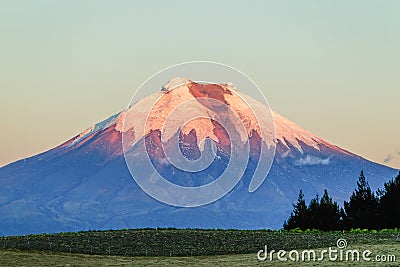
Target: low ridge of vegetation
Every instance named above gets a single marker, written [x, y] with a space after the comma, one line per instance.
[189, 242]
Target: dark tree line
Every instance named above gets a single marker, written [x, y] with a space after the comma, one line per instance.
[364, 210]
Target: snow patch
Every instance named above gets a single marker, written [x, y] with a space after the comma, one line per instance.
[289, 132]
[174, 83]
[95, 128]
[231, 87]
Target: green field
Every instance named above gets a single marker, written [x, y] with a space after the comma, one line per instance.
[188, 242]
[32, 258]
[165, 247]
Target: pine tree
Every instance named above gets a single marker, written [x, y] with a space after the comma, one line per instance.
[389, 210]
[328, 213]
[298, 216]
[312, 213]
[321, 214]
[362, 209]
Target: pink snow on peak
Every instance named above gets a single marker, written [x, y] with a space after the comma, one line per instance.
[180, 89]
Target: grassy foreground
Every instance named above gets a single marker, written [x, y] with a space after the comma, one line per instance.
[35, 258]
[191, 247]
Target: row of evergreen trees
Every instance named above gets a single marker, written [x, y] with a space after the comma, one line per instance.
[365, 209]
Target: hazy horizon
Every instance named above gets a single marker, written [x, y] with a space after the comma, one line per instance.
[330, 67]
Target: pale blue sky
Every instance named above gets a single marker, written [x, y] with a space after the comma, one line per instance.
[331, 66]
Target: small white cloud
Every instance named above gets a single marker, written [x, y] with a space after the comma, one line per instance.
[310, 160]
[388, 158]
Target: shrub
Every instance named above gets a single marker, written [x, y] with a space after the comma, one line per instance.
[296, 230]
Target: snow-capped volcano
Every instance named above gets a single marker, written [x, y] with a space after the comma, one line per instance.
[85, 184]
[287, 132]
